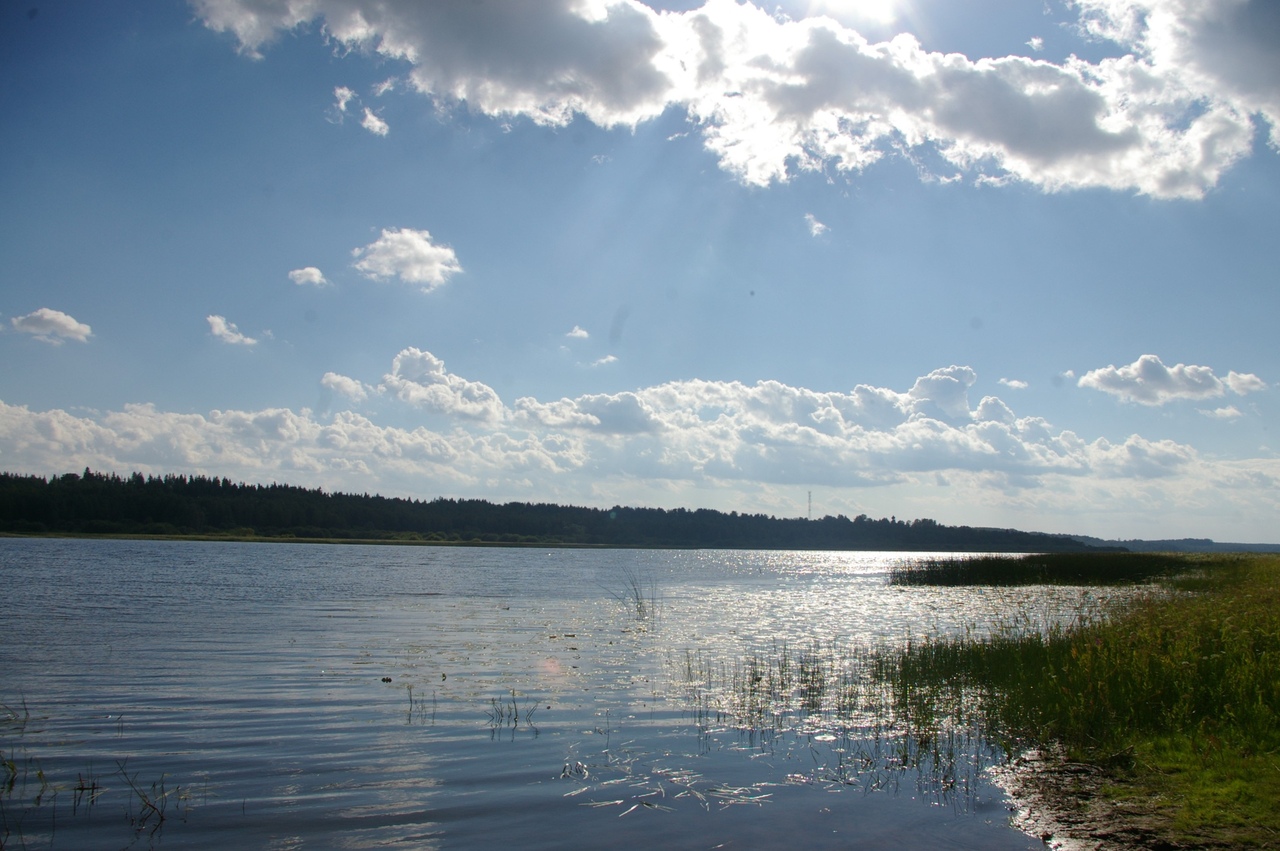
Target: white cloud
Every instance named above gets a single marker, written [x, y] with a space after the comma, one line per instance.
[943, 393]
[577, 333]
[1240, 384]
[1230, 412]
[308, 276]
[1222, 50]
[409, 255]
[1166, 117]
[816, 228]
[720, 443]
[605, 361]
[373, 123]
[52, 326]
[856, 11]
[622, 413]
[349, 387]
[1036, 43]
[341, 97]
[227, 332]
[992, 409]
[1148, 381]
[1014, 383]
[385, 86]
[420, 378]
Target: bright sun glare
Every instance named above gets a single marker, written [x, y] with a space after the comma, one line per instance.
[878, 11]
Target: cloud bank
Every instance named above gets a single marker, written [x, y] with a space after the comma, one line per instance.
[929, 447]
[772, 96]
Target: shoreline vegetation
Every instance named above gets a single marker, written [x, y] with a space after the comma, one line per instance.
[94, 504]
[1154, 724]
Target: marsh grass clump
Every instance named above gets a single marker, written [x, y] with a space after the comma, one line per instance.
[1038, 569]
[1176, 695]
[638, 596]
[822, 703]
[509, 713]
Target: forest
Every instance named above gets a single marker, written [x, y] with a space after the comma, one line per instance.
[94, 503]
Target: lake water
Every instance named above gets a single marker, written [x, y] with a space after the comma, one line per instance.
[215, 695]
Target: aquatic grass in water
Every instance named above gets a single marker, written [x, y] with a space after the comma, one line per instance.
[639, 597]
[1037, 569]
[1172, 693]
[827, 701]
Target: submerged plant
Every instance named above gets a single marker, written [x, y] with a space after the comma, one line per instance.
[152, 803]
[419, 711]
[508, 712]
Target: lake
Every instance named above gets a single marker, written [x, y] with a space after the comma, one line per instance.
[211, 695]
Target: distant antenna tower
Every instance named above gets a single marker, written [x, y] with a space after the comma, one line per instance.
[810, 505]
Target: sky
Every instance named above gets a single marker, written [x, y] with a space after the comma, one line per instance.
[1000, 263]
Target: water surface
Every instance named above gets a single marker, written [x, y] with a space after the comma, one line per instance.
[209, 695]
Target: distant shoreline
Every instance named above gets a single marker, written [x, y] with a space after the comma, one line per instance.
[204, 508]
[397, 542]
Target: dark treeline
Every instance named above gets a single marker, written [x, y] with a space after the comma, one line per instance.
[105, 504]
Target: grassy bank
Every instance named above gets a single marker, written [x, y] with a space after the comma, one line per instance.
[1176, 698]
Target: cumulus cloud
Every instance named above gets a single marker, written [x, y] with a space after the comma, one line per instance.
[409, 255]
[605, 361]
[227, 332]
[420, 378]
[373, 123]
[1223, 49]
[1240, 384]
[52, 326]
[577, 333]
[308, 276]
[1230, 412]
[770, 95]
[816, 228]
[1014, 383]
[1148, 381]
[943, 393]
[349, 387]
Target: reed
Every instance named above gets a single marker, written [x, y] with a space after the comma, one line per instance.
[1038, 569]
[639, 597]
[152, 803]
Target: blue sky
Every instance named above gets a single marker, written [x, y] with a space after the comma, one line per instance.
[996, 263]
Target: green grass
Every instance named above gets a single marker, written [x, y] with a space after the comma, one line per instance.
[1176, 694]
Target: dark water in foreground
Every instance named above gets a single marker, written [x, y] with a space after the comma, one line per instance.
[206, 695]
